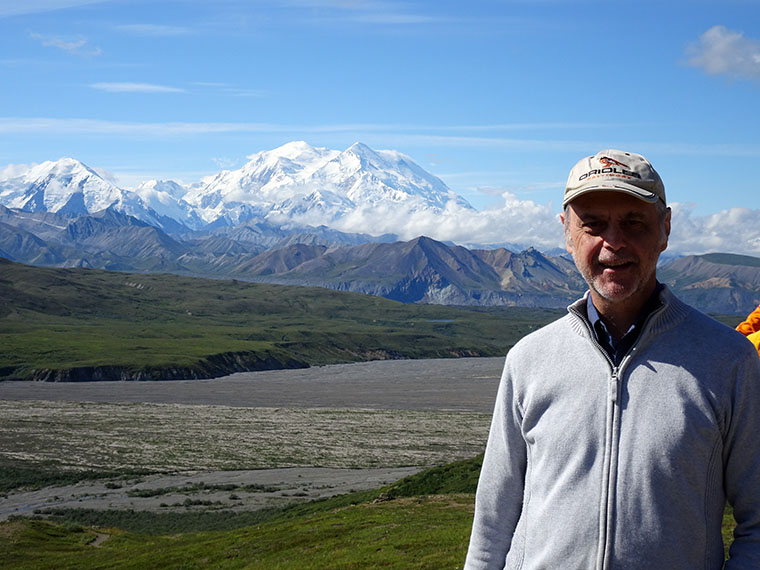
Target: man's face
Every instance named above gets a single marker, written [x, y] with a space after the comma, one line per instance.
[616, 240]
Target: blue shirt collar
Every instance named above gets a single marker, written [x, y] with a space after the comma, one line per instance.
[618, 348]
[596, 320]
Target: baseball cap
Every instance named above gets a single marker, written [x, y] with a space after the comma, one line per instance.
[615, 171]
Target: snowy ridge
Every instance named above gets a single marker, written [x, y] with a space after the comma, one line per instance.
[165, 198]
[63, 186]
[295, 184]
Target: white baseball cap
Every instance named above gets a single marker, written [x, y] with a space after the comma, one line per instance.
[615, 171]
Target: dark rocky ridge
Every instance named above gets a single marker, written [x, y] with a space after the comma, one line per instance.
[212, 367]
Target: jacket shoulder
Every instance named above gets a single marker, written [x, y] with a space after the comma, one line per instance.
[544, 337]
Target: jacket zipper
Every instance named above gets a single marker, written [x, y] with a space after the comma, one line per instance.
[609, 474]
[610, 451]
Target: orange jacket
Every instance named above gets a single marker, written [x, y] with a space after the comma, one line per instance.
[751, 324]
[755, 339]
[751, 328]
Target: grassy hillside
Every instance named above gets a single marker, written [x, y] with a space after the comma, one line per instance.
[78, 324]
[731, 259]
[408, 533]
[421, 522]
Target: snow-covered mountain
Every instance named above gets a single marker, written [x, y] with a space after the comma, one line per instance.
[293, 185]
[67, 186]
[165, 198]
[297, 183]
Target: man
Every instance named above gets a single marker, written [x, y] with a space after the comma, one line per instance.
[621, 429]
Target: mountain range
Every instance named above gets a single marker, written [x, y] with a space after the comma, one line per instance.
[418, 270]
[279, 219]
[295, 184]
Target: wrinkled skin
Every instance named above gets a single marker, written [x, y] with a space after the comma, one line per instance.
[616, 240]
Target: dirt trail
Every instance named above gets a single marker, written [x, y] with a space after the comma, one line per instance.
[100, 538]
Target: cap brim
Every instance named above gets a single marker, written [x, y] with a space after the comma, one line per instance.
[634, 191]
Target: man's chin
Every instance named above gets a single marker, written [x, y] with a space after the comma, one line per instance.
[614, 292]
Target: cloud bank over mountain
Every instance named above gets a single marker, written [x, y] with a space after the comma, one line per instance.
[358, 190]
[735, 230]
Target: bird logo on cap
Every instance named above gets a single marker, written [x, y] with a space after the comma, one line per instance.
[609, 162]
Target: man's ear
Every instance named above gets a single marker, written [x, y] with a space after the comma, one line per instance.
[568, 243]
[667, 222]
[666, 229]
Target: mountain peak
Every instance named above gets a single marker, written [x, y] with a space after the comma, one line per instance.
[61, 167]
[65, 162]
[293, 148]
[365, 154]
[297, 151]
[360, 148]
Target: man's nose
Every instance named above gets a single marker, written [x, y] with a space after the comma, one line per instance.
[614, 237]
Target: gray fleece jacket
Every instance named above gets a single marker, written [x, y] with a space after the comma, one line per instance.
[589, 466]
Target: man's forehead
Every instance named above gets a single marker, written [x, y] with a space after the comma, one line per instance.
[606, 203]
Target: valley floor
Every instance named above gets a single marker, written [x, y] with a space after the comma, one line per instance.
[463, 384]
[245, 441]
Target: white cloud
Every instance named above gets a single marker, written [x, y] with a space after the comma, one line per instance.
[156, 30]
[225, 163]
[15, 8]
[729, 231]
[94, 126]
[513, 221]
[14, 170]
[106, 175]
[527, 223]
[231, 90]
[127, 87]
[364, 12]
[386, 134]
[75, 46]
[721, 51]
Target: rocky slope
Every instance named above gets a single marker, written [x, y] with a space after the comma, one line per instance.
[421, 270]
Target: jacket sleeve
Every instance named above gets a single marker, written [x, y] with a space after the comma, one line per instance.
[499, 497]
[742, 465]
[751, 323]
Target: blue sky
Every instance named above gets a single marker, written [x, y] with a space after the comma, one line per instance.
[497, 98]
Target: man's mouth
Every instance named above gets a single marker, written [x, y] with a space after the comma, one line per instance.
[615, 265]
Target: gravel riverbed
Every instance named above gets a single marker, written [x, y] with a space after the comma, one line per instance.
[247, 440]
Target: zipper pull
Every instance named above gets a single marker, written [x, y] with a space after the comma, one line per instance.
[614, 387]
